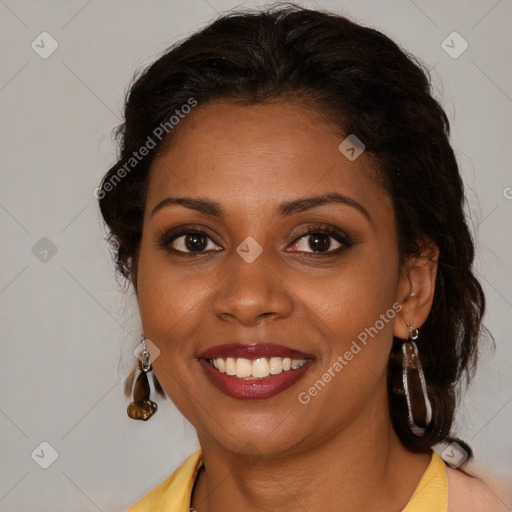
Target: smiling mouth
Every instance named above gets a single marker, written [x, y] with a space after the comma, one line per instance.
[252, 371]
[255, 369]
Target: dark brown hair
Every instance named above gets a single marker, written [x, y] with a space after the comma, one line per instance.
[364, 83]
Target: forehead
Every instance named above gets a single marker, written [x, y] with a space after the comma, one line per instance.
[253, 156]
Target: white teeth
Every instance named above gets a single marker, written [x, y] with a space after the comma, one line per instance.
[297, 363]
[230, 366]
[259, 368]
[276, 365]
[243, 368]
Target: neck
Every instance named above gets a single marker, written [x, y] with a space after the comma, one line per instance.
[361, 467]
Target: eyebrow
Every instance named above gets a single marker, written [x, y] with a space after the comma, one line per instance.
[214, 209]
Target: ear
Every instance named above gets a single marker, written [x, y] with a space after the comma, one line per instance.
[416, 288]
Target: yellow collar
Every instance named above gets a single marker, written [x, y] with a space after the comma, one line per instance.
[174, 493]
[431, 494]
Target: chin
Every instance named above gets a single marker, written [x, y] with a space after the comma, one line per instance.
[255, 434]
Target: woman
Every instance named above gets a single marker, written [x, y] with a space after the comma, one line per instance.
[290, 212]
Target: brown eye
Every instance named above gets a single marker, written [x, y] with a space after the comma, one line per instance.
[192, 242]
[322, 240]
[195, 242]
[187, 242]
[318, 242]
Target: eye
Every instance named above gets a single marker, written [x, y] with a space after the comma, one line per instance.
[322, 240]
[189, 242]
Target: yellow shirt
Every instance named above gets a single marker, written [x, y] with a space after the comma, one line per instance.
[174, 493]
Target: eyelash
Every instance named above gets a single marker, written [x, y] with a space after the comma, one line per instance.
[166, 238]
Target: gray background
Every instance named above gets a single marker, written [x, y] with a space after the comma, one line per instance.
[68, 329]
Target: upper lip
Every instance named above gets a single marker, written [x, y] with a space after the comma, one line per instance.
[253, 351]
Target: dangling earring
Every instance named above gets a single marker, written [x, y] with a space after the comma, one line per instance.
[414, 385]
[142, 408]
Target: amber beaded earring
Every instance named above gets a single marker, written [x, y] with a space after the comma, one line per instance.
[142, 408]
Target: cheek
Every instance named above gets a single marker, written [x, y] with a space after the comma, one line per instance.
[354, 296]
[355, 315]
[170, 305]
[171, 298]
[165, 300]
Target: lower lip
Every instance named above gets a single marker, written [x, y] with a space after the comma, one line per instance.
[254, 389]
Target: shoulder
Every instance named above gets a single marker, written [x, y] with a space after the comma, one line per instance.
[472, 492]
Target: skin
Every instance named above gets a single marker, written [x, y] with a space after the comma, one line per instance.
[338, 452]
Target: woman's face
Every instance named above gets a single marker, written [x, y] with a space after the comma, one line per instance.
[327, 295]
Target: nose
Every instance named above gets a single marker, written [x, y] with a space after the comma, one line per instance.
[252, 293]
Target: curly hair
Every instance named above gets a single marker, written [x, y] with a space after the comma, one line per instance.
[365, 84]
